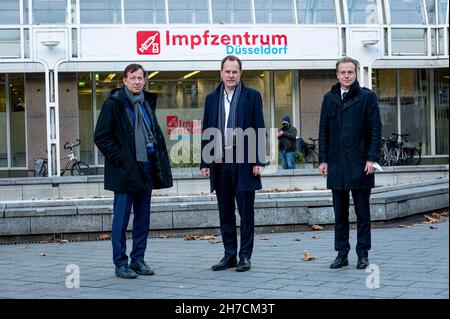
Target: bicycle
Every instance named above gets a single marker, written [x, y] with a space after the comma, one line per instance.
[76, 166]
[399, 152]
[311, 152]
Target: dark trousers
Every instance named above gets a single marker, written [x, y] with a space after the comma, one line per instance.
[341, 203]
[140, 201]
[226, 191]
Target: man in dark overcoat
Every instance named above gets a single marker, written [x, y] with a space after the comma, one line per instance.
[235, 161]
[349, 146]
[136, 161]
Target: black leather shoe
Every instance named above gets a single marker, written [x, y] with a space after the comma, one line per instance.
[225, 263]
[125, 272]
[339, 262]
[243, 265]
[362, 263]
[141, 268]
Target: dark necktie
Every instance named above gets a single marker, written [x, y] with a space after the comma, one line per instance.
[344, 96]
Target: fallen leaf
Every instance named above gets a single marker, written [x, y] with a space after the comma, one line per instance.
[214, 241]
[163, 236]
[189, 237]
[316, 227]
[445, 214]
[63, 241]
[431, 220]
[432, 227]
[265, 238]
[296, 238]
[315, 236]
[307, 256]
[404, 226]
[104, 236]
[43, 242]
[205, 237]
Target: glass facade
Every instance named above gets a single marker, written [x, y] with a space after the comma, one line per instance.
[100, 11]
[194, 11]
[9, 12]
[277, 11]
[362, 11]
[49, 11]
[384, 85]
[407, 12]
[3, 124]
[441, 80]
[315, 11]
[232, 11]
[150, 11]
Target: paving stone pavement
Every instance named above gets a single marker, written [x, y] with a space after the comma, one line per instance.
[406, 263]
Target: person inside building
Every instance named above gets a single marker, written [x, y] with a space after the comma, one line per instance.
[349, 146]
[136, 161]
[234, 172]
[287, 143]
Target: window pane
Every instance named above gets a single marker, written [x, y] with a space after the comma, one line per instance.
[384, 85]
[415, 108]
[100, 11]
[49, 11]
[150, 11]
[276, 11]
[194, 11]
[441, 77]
[283, 96]
[232, 11]
[17, 118]
[9, 43]
[443, 4]
[9, 12]
[260, 81]
[3, 140]
[407, 12]
[316, 11]
[362, 11]
[85, 117]
[409, 41]
[431, 11]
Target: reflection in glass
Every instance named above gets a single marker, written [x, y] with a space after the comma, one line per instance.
[194, 11]
[441, 77]
[315, 11]
[100, 11]
[3, 127]
[409, 41]
[443, 18]
[283, 95]
[260, 81]
[362, 11]
[384, 85]
[9, 12]
[149, 11]
[431, 11]
[276, 11]
[415, 107]
[17, 118]
[85, 116]
[407, 12]
[49, 11]
[9, 42]
[232, 11]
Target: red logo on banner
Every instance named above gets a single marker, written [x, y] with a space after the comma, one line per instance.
[148, 42]
[171, 121]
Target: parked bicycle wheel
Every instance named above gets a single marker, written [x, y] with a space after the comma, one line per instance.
[413, 155]
[80, 168]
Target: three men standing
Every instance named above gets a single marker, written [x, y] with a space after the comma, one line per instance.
[233, 165]
[349, 145]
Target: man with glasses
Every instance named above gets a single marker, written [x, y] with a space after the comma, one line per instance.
[136, 161]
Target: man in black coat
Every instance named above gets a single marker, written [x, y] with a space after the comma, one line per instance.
[235, 160]
[136, 161]
[287, 143]
[349, 145]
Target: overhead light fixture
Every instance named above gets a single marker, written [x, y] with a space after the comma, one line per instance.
[190, 74]
[369, 42]
[152, 74]
[50, 43]
[112, 76]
